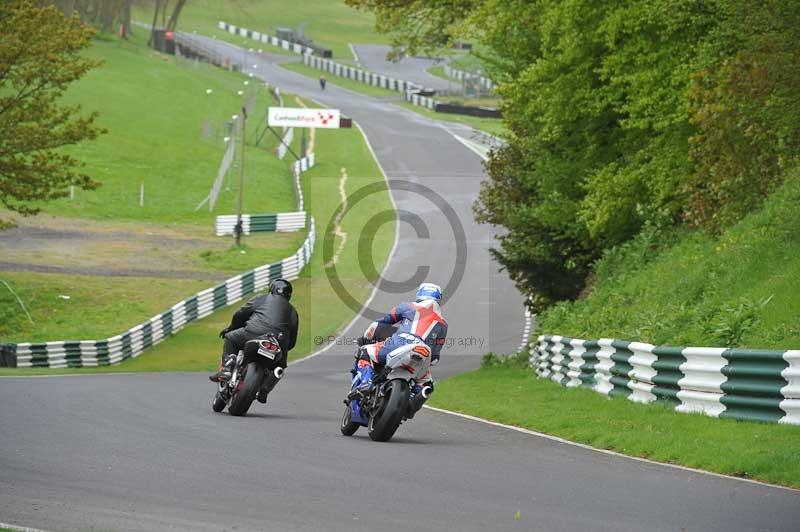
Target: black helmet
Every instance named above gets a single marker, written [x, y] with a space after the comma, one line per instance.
[281, 287]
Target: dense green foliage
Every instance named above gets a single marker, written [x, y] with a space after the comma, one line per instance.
[624, 117]
[737, 289]
[751, 450]
[40, 57]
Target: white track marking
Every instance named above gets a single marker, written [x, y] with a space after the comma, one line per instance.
[20, 528]
[470, 145]
[603, 451]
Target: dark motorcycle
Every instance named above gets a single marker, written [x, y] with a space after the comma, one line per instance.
[394, 396]
[259, 358]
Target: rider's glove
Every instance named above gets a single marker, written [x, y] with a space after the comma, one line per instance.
[223, 332]
[434, 360]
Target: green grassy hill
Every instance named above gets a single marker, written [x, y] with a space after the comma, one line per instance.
[689, 288]
[329, 23]
[154, 109]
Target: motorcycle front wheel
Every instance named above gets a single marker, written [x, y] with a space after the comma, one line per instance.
[385, 422]
[246, 390]
[348, 426]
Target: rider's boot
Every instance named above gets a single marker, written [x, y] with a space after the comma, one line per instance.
[225, 370]
[365, 375]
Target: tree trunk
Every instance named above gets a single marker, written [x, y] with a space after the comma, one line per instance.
[155, 21]
[69, 8]
[173, 20]
[164, 9]
[82, 10]
[107, 16]
[125, 17]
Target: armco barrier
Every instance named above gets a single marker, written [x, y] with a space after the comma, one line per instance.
[744, 384]
[131, 343]
[260, 223]
[471, 110]
[361, 76]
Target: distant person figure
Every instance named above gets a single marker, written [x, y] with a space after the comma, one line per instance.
[322, 82]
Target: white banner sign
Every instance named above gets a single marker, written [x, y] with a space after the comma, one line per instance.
[296, 117]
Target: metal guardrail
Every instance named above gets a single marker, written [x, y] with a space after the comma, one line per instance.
[744, 384]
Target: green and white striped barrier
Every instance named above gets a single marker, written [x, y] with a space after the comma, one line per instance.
[261, 223]
[744, 384]
[298, 167]
[461, 75]
[264, 38]
[421, 101]
[131, 343]
[359, 75]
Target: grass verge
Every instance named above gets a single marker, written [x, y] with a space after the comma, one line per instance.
[438, 71]
[339, 81]
[514, 396]
[493, 126]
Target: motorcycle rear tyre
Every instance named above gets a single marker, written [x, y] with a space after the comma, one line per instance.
[241, 400]
[383, 426]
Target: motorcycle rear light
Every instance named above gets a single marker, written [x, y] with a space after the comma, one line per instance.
[270, 346]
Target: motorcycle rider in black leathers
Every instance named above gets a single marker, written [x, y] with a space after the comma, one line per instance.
[266, 313]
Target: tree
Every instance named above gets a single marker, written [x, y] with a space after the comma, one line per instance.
[418, 25]
[176, 13]
[39, 58]
[622, 116]
[172, 24]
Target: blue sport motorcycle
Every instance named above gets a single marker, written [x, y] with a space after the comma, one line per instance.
[394, 396]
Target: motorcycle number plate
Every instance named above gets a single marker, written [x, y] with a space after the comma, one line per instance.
[269, 354]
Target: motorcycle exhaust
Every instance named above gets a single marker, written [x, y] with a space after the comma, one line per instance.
[426, 392]
[278, 372]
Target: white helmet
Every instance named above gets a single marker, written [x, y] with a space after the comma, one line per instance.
[429, 291]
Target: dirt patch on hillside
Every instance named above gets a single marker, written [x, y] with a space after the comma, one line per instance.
[65, 245]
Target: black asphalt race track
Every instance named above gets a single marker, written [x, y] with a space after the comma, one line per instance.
[145, 451]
